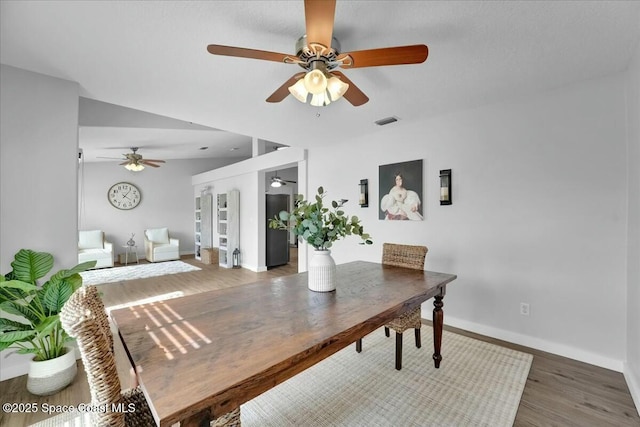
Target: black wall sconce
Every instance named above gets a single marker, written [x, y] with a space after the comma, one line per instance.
[364, 193]
[445, 187]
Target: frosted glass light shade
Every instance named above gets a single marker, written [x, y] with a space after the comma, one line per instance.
[299, 91]
[134, 167]
[320, 99]
[336, 88]
[276, 184]
[315, 82]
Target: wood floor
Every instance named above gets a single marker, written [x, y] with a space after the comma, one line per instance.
[559, 391]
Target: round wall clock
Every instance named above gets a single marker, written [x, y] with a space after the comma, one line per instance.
[124, 195]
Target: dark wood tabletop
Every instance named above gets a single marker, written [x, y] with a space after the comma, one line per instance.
[203, 355]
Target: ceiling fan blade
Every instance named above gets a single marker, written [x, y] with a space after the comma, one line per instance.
[153, 165]
[151, 160]
[399, 55]
[241, 52]
[125, 163]
[319, 16]
[354, 95]
[283, 91]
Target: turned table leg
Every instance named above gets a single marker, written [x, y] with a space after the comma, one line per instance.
[437, 328]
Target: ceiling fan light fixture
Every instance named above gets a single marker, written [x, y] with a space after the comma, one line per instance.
[276, 184]
[336, 88]
[315, 81]
[299, 91]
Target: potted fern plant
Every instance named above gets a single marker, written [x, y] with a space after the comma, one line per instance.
[29, 320]
[320, 227]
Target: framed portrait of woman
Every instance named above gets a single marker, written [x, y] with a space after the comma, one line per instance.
[400, 191]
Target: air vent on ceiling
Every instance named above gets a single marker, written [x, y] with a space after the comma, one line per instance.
[386, 121]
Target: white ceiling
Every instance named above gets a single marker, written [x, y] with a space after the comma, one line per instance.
[151, 56]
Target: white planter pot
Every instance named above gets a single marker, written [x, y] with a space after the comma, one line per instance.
[51, 376]
[322, 272]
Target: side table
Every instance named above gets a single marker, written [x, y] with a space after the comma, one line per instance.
[130, 252]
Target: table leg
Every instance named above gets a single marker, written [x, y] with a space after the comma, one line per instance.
[201, 419]
[437, 329]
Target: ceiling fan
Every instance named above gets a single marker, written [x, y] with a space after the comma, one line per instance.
[318, 53]
[276, 181]
[135, 162]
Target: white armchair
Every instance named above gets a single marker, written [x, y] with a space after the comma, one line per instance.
[158, 246]
[92, 246]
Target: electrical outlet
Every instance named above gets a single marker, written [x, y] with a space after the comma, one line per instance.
[524, 308]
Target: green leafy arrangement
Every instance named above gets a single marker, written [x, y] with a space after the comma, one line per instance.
[319, 225]
[34, 326]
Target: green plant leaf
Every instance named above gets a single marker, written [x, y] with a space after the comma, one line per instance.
[29, 266]
[12, 307]
[56, 294]
[47, 325]
[7, 325]
[284, 215]
[16, 336]
[18, 284]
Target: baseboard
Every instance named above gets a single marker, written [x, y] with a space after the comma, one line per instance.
[18, 368]
[255, 268]
[633, 382]
[538, 344]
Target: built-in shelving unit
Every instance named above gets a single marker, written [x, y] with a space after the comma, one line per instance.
[198, 228]
[228, 226]
[203, 223]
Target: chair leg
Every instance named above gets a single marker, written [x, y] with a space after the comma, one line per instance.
[359, 345]
[398, 351]
[386, 332]
[418, 337]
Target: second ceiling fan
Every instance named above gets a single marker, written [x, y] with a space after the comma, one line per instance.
[276, 181]
[318, 53]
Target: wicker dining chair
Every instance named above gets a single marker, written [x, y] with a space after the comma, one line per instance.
[84, 317]
[407, 256]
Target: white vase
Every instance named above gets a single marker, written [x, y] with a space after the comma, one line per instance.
[322, 272]
[50, 376]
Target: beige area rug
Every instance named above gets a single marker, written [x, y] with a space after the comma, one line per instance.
[478, 384]
[131, 272]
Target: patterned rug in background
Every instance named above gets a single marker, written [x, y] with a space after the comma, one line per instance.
[131, 272]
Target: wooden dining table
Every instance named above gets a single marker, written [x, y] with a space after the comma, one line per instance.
[203, 355]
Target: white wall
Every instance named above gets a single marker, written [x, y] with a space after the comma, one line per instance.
[167, 201]
[38, 172]
[538, 214]
[632, 368]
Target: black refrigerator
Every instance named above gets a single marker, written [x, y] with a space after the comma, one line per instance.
[277, 240]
